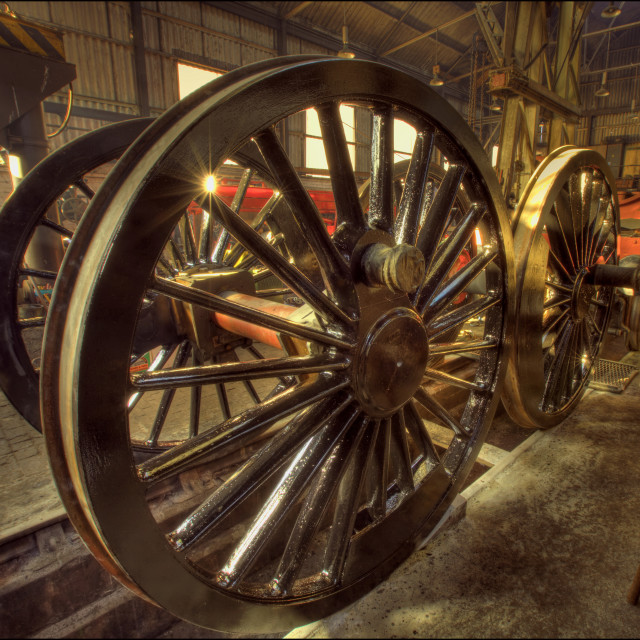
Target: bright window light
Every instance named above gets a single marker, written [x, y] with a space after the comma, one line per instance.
[494, 156]
[404, 137]
[314, 148]
[192, 78]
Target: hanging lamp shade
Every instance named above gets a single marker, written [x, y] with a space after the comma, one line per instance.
[345, 52]
[611, 11]
[603, 92]
[495, 105]
[436, 81]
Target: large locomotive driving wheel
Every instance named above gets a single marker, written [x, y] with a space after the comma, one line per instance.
[345, 473]
[567, 228]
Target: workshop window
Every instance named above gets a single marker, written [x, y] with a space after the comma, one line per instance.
[191, 78]
[314, 148]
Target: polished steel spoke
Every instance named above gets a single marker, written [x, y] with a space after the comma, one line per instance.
[178, 258]
[236, 251]
[189, 239]
[556, 301]
[196, 401]
[244, 370]
[605, 231]
[38, 273]
[441, 376]
[559, 228]
[563, 288]
[259, 468]
[419, 433]
[335, 271]
[381, 190]
[308, 461]
[278, 264]
[85, 188]
[221, 245]
[448, 253]
[471, 309]
[554, 381]
[435, 408]
[408, 219]
[579, 194]
[314, 507]
[159, 361]
[63, 231]
[346, 509]
[217, 303]
[594, 229]
[167, 397]
[563, 317]
[400, 454]
[238, 429]
[438, 215]
[343, 182]
[455, 285]
[461, 347]
[378, 470]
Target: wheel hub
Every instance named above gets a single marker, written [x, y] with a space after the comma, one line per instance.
[581, 297]
[391, 361]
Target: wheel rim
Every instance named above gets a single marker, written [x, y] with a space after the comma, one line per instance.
[21, 215]
[354, 422]
[571, 201]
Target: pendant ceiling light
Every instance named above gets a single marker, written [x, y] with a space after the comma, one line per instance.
[611, 11]
[345, 52]
[603, 92]
[495, 105]
[436, 81]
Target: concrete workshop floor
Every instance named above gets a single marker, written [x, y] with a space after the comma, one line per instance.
[548, 548]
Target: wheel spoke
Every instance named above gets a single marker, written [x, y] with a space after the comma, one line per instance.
[29, 323]
[244, 370]
[38, 273]
[603, 237]
[378, 470]
[85, 188]
[196, 401]
[555, 380]
[419, 434]
[557, 301]
[250, 422]
[441, 376]
[345, 513]
[453, 287]
[559, 229]
[178, 257]
[400, 454]
[320, 494]
[408, 220]
[547, 329]
[278, 264]
[189, 239]
[63, 231]
[461, 347]
[236, 251]
[579, 197]
[448, 253]
[217, 303]
[434, 407]
[334, 269]
[258, 469]
[559, 287]
[441, 325]
[221, 245]
[343, 182]
[594, 229]
[300, 473]
[167, 397]
[436, 218]
[158, 362]
[381, 190]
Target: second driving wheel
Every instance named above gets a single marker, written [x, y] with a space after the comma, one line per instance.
[567, 224]
[294, 507]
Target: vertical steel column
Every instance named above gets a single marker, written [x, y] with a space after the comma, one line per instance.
[140, 64]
